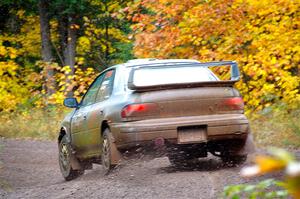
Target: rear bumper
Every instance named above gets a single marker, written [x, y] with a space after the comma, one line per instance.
[223, 126]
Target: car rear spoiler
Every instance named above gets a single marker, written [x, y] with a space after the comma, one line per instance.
[235, 76]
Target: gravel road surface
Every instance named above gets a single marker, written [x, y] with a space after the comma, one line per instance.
[30, 170]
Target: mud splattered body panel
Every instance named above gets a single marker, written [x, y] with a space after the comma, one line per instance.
[179, 112]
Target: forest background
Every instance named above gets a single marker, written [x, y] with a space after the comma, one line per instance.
[53, 49]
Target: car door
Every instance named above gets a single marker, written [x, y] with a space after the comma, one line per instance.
[80, 127]
[97, 112]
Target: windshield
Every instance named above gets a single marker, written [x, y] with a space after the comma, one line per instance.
[172, 75]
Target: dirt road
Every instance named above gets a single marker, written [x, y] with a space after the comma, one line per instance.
[30, 170]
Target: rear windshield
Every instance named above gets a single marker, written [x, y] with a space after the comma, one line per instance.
[172, 75]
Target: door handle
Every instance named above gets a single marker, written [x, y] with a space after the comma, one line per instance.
[101, 112]
[84, 117]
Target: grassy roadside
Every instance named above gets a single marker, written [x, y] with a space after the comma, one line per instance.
[278, 127]
[33, 124]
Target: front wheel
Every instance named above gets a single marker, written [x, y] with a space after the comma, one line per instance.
[65, 155]
[106, 152]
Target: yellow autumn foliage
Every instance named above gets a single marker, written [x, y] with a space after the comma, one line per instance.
[262, 36]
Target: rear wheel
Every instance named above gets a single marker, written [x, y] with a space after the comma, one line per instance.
[231, 152]
[106, 152]
[65, 155]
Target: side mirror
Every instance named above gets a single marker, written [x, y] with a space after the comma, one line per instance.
[71, 102]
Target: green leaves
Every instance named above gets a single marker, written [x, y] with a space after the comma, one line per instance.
[264, 189]
[278, 160]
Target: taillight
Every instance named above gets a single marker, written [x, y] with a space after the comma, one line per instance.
[139, 110]
[235, 103]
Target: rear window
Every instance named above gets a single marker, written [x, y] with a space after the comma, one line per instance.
[172, 75]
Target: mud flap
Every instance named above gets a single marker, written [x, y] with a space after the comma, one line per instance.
[75, 164]
[116, 156]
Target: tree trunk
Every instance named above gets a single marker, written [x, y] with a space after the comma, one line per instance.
[46, 45]
[106, 35]
[70, 52]
[63, 36]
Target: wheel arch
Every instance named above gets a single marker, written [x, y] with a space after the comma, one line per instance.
[63, 131]
[104, 125]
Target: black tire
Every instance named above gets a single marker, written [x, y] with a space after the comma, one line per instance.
[233, 160]
[64, 158]
[106, 152]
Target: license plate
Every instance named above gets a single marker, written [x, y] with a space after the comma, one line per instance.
[192, 135]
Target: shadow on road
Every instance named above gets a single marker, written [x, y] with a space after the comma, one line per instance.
[199, 165]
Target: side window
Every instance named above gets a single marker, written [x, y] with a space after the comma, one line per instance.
[121, 80]
[106, 86]
[90, 95]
